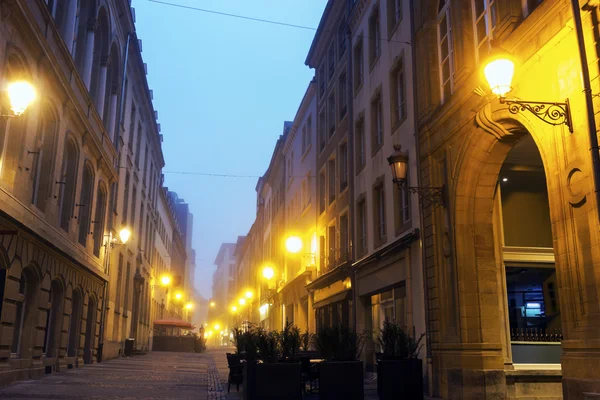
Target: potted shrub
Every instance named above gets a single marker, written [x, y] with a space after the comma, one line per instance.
[289, 342]
[341, 375]
[265, 378]
[399, 369]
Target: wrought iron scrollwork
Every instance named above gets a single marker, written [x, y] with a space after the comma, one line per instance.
[550, 112]
[435, 195]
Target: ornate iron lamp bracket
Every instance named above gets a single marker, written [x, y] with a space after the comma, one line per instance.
[550, 112]
[435, 194]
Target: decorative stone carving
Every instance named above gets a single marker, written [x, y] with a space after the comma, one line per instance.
[485, 121]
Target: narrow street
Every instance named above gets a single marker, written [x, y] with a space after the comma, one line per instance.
[156, 375]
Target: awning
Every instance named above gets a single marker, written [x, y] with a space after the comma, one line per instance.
[177, 323]
[345, 295]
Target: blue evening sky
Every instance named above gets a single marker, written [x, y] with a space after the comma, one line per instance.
[223, 88]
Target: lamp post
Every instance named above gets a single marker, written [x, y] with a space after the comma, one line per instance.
[110, 242]
[399, 165]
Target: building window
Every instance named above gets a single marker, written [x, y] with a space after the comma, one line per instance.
[322, 192]
[360, 144]
[125, 199]
[331, 233]
[398, 90]
[390, 305]
[331, 173]
[341, 39]
[133, 205]
[343, 166]
[322, 130]
[529, 5]
[445, 50]
[331, 60]
[374, 36]
[376, 124]
[69, 174]
[343, 97]
[131, 127]
[359, 70]
[344, 237]
[138, 145]
[362, 226]
[43, 161]
[332, 117]
[306, 133]
[290, 167]
[394, 15]
[127, 273]
[85, 204]
[484, 22]
[322, 79]
[99, 218]
[146, 166]
[379, 214]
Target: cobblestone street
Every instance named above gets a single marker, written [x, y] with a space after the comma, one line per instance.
[156, 375]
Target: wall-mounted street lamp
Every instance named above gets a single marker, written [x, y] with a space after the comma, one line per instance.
[20, 94]
[165, 281]
[293, 244]
[189, 306]
[499, 72]
[268, 272]
[399, 165]
[178, 296]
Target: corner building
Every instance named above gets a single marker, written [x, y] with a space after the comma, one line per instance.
[512, 261]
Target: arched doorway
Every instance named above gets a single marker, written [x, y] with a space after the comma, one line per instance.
[54, 319]
[533, 328]
[90, 331]
[25, 314]
[75, 323]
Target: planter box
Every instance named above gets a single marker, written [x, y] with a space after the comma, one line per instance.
[400, 379]
[272, 381]
[341, 380]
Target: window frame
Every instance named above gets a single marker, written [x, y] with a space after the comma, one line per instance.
[445, 14]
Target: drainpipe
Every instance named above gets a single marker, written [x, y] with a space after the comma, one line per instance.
[589, 103]
[429, 359]
[351, 189]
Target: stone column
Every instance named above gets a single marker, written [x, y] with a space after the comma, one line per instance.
[88, 55]
[101, 95]
[311, 313]
[68, 28]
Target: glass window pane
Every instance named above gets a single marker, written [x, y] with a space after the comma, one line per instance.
[481, 30]
[493, 15]
[444, 48]
[443, 27]
[479, 7]
[386, 295]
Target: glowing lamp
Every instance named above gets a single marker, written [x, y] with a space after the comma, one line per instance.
[124, 235]
[165, 280]
[268, 273]
[178, 296]
[399, 165]
[242, 301]
[249, 294]
[293, 244]
[20, 94]
[499, 73]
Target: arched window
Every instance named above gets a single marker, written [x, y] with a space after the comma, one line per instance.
[12, 131]
[100, 61]
[445, 50]
[85, 204]
[99, 218]
[65, 15]
[90, 331]
[84, 42]
[43, 157]
[25, 314]
[111, 97]
[54, 319]
[69, 175]
[75, 323]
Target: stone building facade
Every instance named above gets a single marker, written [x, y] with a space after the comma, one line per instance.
[58, 176]
[511, 259]
[389, 278]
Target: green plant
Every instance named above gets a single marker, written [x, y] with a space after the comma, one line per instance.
[395, 342]
[238, 340]
[267, 345]
[289, 340]
[339, 343]
[305, 340]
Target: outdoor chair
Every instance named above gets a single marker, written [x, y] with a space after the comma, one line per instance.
[310, 374]
[236, 371]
